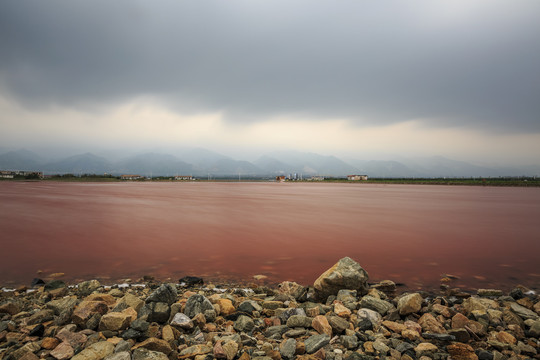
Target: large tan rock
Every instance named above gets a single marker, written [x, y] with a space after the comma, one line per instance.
[345, 274]
[155, 344]
[430, 324]
[86, 309]
[321, 324]
[114, 321]
[226, 307]
[409, 304]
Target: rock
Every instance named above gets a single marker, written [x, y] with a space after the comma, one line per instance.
[75, 339]
[489, 292]
[155, 344]
[345, 274]
[159, 312]
[40, 317]
[535, 329]
[348, 341]
[381, 347]
[394, 326]
[338, 324]
[37, 282]
[291, 289]
[287, 349]
[190, 281]
[87, 287]
[244, 324]
[372, 316]
[122, 355]
[315, 342]
[523, 312]
[409, 304]
[378, 305]
[442, 310]
[129, 300]
[54, 284]
[230, 348]
[475, 303]
[440, 337]
[197, 304]
[114, 321]
[461, 335]
[320, 323]
[459, 321]
[165, 293]
[274, 332]
[425, 349]
[86, 309]
[342, 311]
[182, 321]
[63, 351]
[430, 324]
[194, 351]
[10, 307]
[460, 351]
[96, 351]
[38, 331]
[299, 321]
[249, 306]
[506, 338]
[226, 307]
[49, 343]
[145, 354]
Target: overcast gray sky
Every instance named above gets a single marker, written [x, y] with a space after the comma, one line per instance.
[459, 78]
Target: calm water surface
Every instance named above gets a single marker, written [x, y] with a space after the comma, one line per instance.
[413, 234]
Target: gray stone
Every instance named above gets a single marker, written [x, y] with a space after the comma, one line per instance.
[244, 324]
[278, 330]
[287, 349]
[378, 305]
[523, 312]
[144, 354]
[535, 329]
[197, 304]
[97, 351]
[299, 321]
[166, 293]
[338, 324]
[349, 342]
[287, 313]
[40, 317]
[381, 347]
[373, 316]
[140, 325]
[122, 346]
[315, 342]
[345, 274]
[249, 306]
[182, 321]
[160, 312]
[64, 305]
[54, 284]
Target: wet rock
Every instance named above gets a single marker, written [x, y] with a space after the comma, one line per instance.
[197, 304]
[409, 304]
[315, 342]
[165, 293]
[345, 274]
[190, 281]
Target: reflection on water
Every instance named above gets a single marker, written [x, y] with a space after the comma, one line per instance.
[232, 231]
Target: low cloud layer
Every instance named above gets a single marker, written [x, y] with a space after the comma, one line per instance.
[457, 64]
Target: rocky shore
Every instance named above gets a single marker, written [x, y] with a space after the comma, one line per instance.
[341, 316]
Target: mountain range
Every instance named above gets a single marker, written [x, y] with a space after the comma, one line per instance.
[203, 163]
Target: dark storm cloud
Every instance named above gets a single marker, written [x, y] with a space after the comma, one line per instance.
[373, 62]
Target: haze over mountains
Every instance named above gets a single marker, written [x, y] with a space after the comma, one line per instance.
[202, 163]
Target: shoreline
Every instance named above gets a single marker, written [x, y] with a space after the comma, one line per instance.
[341, 316]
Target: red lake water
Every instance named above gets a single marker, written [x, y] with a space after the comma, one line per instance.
[489, 237]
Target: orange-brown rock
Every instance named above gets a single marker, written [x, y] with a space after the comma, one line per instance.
[226, 307]
[460, 351]
[430, 324]
[320, 323]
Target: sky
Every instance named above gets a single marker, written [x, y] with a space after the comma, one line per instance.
[366, 79]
